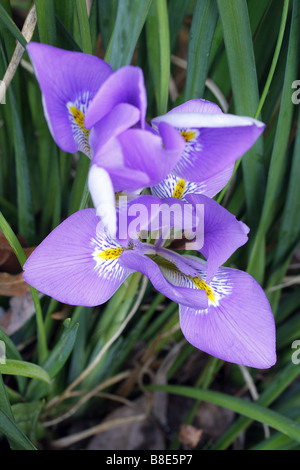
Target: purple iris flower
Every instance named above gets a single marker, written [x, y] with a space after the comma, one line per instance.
[187, 156]
[228, 317]
[213, 141]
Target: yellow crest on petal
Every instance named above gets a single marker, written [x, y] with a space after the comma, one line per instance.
[79, 119]
[110, 253]
[179, 189]
[202, 285]
[188, 135]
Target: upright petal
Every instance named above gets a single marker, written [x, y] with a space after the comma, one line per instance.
[213, 140]
[119, 119]
[138, 158]
[126, 85]
[103, 196]
[77, 263]
[68, 81]
[238, 325]
[197, 105]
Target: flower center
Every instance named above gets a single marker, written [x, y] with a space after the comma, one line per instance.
[79, 119]
[110, 253]
[202, 285]
[188, 135]
[179, 189]
[80, 133]
[197, 281]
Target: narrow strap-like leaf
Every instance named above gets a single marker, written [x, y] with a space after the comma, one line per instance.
[14, 434]
[46, 21]
[249, 409]
[277, 164]
[24, 369]
[159, 56]
[203, 27]
[11, 26]
[126, 32]
[242, 67]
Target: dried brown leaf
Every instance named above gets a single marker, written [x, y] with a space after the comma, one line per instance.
[8, 261]
[21, 309]
[12, 285]
[190, 435]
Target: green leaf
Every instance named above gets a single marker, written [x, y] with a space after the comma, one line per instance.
[84, 26]
[275, 58]
[286, 376]
[11, 26]
[242, 67]
[7, 410]
[130, 19]
[12, 239]
[80, 191]
[159, 55]
[289, 232]
[24, 369]
[56, 359]
[177, 11]
[106, 19]
[13, 433]
[277, 164]
[62, 350]
[26, 417]
[46, 21]
[4, 402]
[24, 195]
[13, 353]
[203, 27]
[19, 252]
[238, 405]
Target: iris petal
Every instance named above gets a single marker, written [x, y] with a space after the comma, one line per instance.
[213, 140]
[70, 264]
[68, 81]
[239, 327]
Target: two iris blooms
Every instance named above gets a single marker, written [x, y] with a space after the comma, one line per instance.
[185, 156]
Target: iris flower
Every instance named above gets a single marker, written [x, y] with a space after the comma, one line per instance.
[186, 156]
[228, 317]
[101, 113]
[213, 141]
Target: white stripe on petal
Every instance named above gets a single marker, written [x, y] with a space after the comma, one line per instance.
[106, 252]
[216, 290]
[166, 188]
[198, 121]
[77, 110]
[103, 196]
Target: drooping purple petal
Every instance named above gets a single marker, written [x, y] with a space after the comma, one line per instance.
[214, 140]
[223, 233]
[165, 277]
[77, 263]
[68, 81]
[238, 327]
[126, 85]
